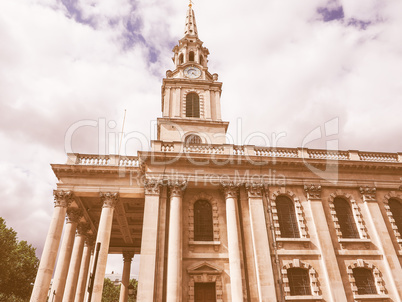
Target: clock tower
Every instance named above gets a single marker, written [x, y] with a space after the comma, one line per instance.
[191, 109]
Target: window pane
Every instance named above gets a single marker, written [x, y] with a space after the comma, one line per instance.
[364, 281]
[396, 209]
[287, 218]
[203, 223]
[345, 218]
[299, 282]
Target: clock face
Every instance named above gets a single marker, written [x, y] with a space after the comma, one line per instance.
[192, 72]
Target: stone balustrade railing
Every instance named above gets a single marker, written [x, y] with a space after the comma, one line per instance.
[102, 160]
[246, 151]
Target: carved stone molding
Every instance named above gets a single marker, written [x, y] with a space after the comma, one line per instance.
[297, 263]
[152, 187]
[355, 210]
[379, 282]
[368, 193]
[254, 189]
[298, 210]
[396, 196]
[313, 192]
[62, 198]
[109, 199]
[128, 256]
[90, 241]
[177, 188]
[83, 228]
[230, 189]
[204, 273]
[73, 215]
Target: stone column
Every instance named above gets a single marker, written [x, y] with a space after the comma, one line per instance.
[383, 240]
[236, 285]
[174, 262]
[149, 242]
[109, 201]
[63, 262]
[262, 254]
[332, 274]
[125, 280]
[42, 282]
[84, 269]
[76, 258]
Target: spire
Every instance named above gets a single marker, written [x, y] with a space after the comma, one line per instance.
[191, 27]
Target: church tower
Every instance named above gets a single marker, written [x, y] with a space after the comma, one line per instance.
[191, 106]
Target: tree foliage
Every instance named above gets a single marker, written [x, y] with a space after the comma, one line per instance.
[111, 292]
[18, 266]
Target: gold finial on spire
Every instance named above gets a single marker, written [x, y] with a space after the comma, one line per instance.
[190, 4]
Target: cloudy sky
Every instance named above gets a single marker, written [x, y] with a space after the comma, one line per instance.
[288, 67]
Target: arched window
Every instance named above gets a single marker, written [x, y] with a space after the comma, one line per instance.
[345, 217]
[299, 282]
[192, 139]
[192, 105]
[203, 224]
[191, 56]
[287, 218]
[201, 60]
[396, 209]
[364, 281]
[181, 59]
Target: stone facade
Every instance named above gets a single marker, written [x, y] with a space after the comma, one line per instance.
[276, 224]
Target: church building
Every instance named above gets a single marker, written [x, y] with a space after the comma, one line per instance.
[217, 222]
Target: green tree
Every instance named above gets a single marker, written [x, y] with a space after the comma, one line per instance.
[18, 266]
[110, 292]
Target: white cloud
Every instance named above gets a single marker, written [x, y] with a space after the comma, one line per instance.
[283, 69]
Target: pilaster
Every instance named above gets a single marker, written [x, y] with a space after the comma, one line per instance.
[330, 264]
[261, 248]
[383, 240]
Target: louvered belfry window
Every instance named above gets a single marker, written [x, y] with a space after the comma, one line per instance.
[364, 281]
[299, 282]
[192, 139]
[287, 218]
[203, 223]
[192, 105]
[396, 210]
[345, 217]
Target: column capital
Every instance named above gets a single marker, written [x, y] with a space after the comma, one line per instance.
[152, 186]
[128, 256]
[177, 188]
[254, 189]
[368, 193]
[90, 241]
[313, 192]
[62, 198]
[83, 228]
[230, 189]
[74, 215]
[109, 199]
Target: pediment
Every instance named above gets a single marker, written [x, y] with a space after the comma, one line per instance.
[204, 268]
